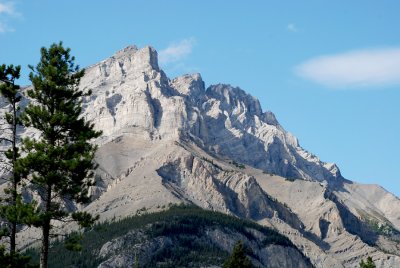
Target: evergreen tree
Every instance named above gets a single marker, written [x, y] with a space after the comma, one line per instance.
[368, 264]
[10, 91]
[238, 258]
[15, 260]
[60, 161]
[12, 209]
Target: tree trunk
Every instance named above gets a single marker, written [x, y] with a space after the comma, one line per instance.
[14, 193]
[12, 238]
[44, 252]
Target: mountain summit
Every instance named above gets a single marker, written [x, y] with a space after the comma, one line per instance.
[171, 141]
[131, 93]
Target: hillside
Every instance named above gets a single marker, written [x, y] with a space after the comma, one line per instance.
[181, 236]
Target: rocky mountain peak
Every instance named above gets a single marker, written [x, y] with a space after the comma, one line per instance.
[131, 94]
[125, 64]
[147, 56]
[269, 118]
[129, 50]
[190, 85]
[235, 97]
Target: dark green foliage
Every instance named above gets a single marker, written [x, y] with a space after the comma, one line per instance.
[184, 225]
[72, 242]
[84, 219]
[13, 260]
[368, 264]
[59, 162]
[19, 212]
[238, 258]
[13, 211]
[10, 91]
[384, 228]
[236, 164]
[62, 158]
[8, 88]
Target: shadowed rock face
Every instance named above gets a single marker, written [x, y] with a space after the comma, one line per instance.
[166, 141]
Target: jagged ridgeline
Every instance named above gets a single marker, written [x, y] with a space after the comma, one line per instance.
[175, 140]
[182, 236]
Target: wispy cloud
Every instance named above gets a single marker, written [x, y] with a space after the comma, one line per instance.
[355, 69]
[176, 52]
[7, 8]
[7, 11]
[292, 28]
[5, 28]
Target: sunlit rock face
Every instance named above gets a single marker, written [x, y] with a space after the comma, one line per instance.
[171, 141]
[131, 94]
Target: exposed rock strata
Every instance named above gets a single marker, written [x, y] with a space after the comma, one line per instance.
[166, 141]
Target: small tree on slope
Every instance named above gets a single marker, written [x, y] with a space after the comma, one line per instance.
[60, 161]
[238, 258]
[368, 264]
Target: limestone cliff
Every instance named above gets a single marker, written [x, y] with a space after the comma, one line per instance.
[170, 141]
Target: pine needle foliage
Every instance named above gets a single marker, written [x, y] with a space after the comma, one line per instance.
[368, 263]
[59, 162]
[13, 210]
[238, 258]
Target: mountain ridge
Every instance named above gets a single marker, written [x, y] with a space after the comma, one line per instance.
[224, 122]
[171, 141]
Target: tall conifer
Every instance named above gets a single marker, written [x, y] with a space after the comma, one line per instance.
[10, 91]
[13, 211]
[59, 162]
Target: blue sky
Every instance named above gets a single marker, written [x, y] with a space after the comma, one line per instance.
[329, 70]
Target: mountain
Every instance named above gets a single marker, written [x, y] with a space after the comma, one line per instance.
[171, 141]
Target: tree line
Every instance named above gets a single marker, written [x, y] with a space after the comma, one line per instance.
[57, 165]
[185, 226]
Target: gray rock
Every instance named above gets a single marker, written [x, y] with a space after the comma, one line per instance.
[167, 141]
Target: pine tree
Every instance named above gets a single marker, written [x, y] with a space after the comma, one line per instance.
[60, 161]
[10, 91]
[368, 264]
[238, 258]
[12, 208]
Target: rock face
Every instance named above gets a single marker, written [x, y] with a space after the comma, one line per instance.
[131, 93]
[170, 141]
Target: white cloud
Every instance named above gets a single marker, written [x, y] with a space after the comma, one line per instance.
[361, 68]
[176, 51]
[292, 28]
[7, 13]
[5, 28]
[7, 8]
